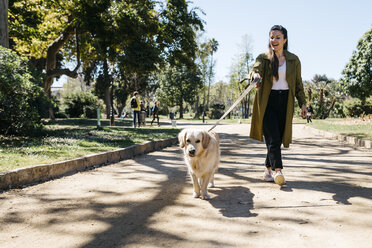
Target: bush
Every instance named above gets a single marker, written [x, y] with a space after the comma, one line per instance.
[217, 110]
[82, 104]
[338, 111]
[90, 112]
[20, 98]
[355, 107]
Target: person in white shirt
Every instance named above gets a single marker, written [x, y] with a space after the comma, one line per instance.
[280, 73]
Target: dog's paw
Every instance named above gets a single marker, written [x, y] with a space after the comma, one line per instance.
[205, 196]
[195, 195]
[210, 185]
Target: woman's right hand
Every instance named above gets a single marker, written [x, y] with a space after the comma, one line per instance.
[257, 79]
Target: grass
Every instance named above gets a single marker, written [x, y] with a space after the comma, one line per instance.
[72, 138]
[358, 127]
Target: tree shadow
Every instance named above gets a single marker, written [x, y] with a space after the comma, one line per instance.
[340, 165]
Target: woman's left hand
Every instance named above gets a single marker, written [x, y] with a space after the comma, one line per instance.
[304, 111]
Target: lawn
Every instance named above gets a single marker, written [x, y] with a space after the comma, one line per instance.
[356, 127]
[72, 138]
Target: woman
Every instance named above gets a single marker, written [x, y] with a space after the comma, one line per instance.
[280, 75]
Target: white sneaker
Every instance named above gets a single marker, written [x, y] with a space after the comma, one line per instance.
[279, 178]
[267, 176]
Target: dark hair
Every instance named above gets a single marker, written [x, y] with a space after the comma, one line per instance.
[273, 58]
[135, 93]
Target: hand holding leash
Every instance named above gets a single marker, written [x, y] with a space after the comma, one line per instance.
[257, 79]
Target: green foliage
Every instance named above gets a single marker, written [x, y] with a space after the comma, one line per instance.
[179, 32]
[178, 85]
[357, 75]
[338, 111]
[82, 104]
[121, 43]
[356, 108]
[20, 97]
[324, 94]
[238, 71]
[217, 110]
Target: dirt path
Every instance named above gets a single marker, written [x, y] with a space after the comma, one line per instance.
[147, 201]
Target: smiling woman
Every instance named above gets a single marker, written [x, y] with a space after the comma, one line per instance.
[280, 72]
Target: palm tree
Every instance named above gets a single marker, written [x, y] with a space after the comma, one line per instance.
[211, 47]
[328, 93]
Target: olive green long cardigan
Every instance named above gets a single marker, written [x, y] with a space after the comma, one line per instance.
[294, 80]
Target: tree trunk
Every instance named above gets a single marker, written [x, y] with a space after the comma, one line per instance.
[51, 61]
[107, 89]
[330, 108]
[309, 92]
[204, 109]
[51, 58]
[51, 112]
[196, 110]
[107, 101]
[112, 119]
[181, 108]
[4, 31]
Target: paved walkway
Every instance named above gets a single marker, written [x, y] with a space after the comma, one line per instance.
[147, 201]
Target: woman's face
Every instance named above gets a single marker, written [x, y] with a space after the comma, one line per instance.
[277, 40]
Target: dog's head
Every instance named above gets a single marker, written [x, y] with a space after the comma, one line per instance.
[194, 141]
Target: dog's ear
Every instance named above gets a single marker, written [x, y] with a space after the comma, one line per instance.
[206, 139]
[182, 138]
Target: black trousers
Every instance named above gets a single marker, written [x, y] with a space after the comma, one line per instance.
[273, 127]
[153, 119]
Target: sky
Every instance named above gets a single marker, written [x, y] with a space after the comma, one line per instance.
[322, 33]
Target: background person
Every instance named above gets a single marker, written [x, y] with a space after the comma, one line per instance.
[155, 112]
[142, 105]
[135, 105]
[280, 74]
[310, 112]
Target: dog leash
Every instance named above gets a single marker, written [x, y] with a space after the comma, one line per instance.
[253, 84]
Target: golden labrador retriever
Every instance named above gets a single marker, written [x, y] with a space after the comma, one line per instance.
[202, 155]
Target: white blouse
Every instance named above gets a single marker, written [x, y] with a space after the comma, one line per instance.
[281, 84]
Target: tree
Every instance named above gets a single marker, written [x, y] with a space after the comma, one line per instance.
[208, 49]
[247, 59]
[178, 85]
[357, 75]
[178, 37]
[323, 93]
[179, 33]
[115, 39]
[239, 70]
[41, 29]
[4, 32]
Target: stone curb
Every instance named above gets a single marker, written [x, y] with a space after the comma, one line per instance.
[346, 139]
[39, 173]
